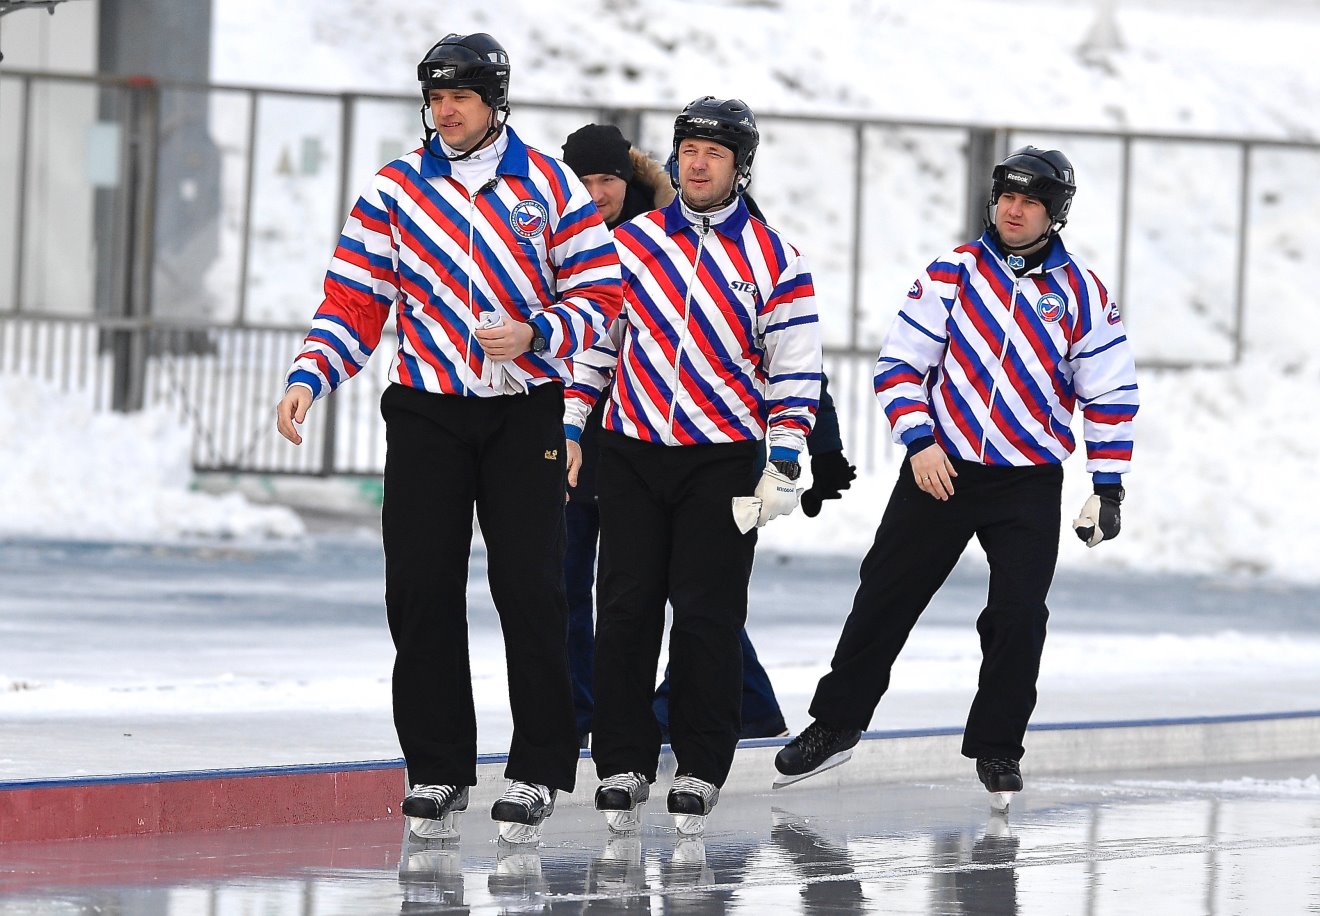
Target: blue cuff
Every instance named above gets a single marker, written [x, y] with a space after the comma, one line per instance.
[920, 445]
[925, 430]
[572, 433]
[542, 324]
[1099, 479]
[303, 377]
[782, 453]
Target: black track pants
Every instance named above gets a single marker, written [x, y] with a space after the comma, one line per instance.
[506, 455]
[1014, 513]
[667, 532]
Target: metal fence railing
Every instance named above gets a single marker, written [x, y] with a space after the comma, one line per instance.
[224, 381]
[177, 228]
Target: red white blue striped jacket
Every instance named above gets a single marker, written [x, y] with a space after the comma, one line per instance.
[529, 246]
[718, 337]
[993, 365]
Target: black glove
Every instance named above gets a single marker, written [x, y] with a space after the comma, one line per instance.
[1100, 519]
[831, 474]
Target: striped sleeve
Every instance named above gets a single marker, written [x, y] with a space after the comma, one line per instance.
[360, 287]
[587, 286]
[593, 369]
[915, 344]
[1105, 380]
[790, 329]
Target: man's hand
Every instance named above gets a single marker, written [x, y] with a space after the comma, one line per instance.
[574, 461]
[291, 411]
[777, 492]
[934, 472]
[1100, 519]
[505, 341]
[831, 474]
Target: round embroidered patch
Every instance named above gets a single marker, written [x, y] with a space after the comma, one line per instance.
[528, 218]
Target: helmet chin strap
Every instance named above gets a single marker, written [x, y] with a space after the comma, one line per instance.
[496, 125]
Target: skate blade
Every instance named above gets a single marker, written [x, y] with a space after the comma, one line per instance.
[427, 828]
[519, 834]
[1000, 801]
[690, 824]
[624, 821]
[782, 781]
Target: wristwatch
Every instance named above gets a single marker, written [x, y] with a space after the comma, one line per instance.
[790, 469]
[539, 343]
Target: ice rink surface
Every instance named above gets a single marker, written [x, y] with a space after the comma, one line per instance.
[1240, 840]
[131, 659]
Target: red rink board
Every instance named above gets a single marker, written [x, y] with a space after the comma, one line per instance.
[176, 802]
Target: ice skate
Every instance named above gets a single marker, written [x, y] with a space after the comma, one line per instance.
[690, 801]
[620, 798]
[432, 811]
[521, 811]
[817, 749]
[1002, 778]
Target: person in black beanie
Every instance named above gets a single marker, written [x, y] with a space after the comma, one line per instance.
[625, 182]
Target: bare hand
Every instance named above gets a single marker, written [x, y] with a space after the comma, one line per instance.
[507, 341]
[574, 461]
[291, 411]
[934, 472]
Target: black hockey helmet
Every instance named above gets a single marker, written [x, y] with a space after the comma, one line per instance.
[475, 61]
[728, 122]
[1045, 174]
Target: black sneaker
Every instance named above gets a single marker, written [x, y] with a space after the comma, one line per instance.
[431, 810]
[817, 749]
[999, 774]
[521, 811]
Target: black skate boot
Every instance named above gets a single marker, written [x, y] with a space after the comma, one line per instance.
[431, 810]
[690, 801]
[817, 749]
[1001, 777]
[521, 810]
[620, 799]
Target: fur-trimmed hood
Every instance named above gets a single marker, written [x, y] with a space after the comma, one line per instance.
[649, 177]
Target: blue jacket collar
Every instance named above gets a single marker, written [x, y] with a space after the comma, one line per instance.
[513, 162]
[730, 226]
[1055, 254]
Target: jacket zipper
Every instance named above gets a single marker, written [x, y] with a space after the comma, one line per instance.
[472, 229]
[687, 319]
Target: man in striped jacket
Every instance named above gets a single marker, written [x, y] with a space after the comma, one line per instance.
[497, 269]
[717, 349]
[981, 372]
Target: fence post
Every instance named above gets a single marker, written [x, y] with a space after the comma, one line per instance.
[986, 147]
[128, 385]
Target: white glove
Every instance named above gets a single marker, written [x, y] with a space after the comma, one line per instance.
[746, 510]
[1100, 518]
[778, 495]
[495, 372]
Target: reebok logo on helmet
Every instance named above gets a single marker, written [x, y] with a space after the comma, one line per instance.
[443, 73]
[1021, 178]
